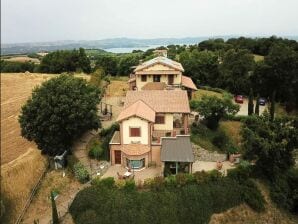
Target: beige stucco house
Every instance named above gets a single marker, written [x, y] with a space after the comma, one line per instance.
[161, 73]
[153, 130]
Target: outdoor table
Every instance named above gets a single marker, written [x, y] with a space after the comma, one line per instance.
[127, 174]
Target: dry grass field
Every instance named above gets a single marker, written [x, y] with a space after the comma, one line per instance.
[15, 90]
[21, 163]
[23, 59]
[117, 88]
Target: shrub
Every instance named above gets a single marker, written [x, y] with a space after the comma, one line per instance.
[130, 185]
[157, 183]
[242, 172]
[107, 182]
[181, 179]
[201, 177]
[214, 175]
[96, 151]
[81, 172]
[120, 183]
[252, 196]
[170, 181]
[220, 140]
[71, 160]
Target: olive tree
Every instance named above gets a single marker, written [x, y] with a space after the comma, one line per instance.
[58, 112]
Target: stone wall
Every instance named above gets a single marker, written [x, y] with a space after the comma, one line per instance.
[205, 155]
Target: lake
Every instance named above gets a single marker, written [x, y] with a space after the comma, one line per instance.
[129, 49]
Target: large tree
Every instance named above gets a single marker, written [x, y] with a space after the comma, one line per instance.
[235, 71]
[270, 143]
[214, 108]
[59, 111]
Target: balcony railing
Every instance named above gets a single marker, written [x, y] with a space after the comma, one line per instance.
[158, 134]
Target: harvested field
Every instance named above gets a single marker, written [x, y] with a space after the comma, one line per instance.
[117, 88]
[17, 181]
[15, 90]
[23, 59]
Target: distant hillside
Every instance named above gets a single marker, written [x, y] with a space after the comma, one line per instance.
[24, 48]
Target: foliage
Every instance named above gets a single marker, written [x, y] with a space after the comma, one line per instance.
[81, 172]
[65, 61]
[235, 71]
[106, 135]
[220, 140]
[108, 63]
[250, 102]
[284, 190]
[59, 111]
[214, 108]
[14, 66]
[257, 107]
[96, 151]
[190, 203]
[108, 182]
[270, 143]
[97, 76]
[272, 106]
[55, 219]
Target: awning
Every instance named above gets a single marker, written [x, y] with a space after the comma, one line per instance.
[177, 149]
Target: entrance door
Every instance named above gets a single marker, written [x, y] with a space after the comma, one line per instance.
[117, 157]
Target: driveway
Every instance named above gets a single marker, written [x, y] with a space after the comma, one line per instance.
[244, 108]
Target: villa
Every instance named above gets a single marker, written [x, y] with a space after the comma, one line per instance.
[161, 73]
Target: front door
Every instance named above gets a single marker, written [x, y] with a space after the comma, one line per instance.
[117, 157]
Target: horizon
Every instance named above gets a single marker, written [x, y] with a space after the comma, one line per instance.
[34, 21]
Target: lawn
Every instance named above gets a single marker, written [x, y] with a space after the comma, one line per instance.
[201, 92]
[258, 58]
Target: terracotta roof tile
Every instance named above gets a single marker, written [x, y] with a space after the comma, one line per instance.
[154, 86]
[187, 82]
[161, 60]
[135, 149]
[139, 109]
[161, 101]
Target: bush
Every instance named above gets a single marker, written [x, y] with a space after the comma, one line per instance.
[96, 151]
[81, 172]
[130, 185]
[71, 160]
[201, 177]
[241, 173]
[157, 183]
[252, 196]
[220, 140]
[108, 182]
[181, 179]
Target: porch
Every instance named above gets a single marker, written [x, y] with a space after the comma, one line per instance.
[139, 175]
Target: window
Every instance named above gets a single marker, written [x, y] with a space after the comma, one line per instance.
[144, 78]
[135, 132]
[159, 119]
[156, 78]
[170, 79]
[135, 164]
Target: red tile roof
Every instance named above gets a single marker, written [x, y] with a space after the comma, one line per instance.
[139, 109]
[154, 86]
[161, 101]
[188, 83]
[160, 60]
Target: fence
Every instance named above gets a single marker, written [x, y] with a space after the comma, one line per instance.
[29, 200]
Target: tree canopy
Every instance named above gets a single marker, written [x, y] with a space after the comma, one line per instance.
[214, 108]
[59, 111]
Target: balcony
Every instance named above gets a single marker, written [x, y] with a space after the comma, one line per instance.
[158, 134]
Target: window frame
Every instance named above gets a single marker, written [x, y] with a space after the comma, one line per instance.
[156, 76]
[130, 132]
[160, 116]
[145, 78]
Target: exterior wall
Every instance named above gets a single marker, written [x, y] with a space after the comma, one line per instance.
[135, 122]
[124, 157]
[168, 125]
[112, 154]
[163, 78]
[155, 155]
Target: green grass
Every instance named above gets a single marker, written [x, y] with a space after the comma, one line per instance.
[201, 92]
[258, 57]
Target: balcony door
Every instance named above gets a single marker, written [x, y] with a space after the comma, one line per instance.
[117, 157]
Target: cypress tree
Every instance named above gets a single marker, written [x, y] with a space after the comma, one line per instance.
[55, 218]
[272, 106]
[257, 108]
[250, 102]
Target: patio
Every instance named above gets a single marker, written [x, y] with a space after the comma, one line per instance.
[139, 175]
[208, 166]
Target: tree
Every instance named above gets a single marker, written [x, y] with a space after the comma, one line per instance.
[97, 76]
[250, 102]
[235, 71]
[272, 106]
[214, 108]
[55, 218]
[257, 108]
[108, 63]
[59, 111]
[270, 143]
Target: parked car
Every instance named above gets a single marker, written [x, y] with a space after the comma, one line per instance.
[239, 99]
[262, 101]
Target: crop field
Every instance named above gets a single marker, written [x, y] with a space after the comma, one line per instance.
[15, 90]
[22, 58]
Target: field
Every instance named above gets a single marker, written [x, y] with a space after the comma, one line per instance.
[258, 58]
[22, 58]
[15, 90]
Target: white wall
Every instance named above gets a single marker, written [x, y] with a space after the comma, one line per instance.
[135, 122]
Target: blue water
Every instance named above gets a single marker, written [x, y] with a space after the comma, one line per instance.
[129, 49]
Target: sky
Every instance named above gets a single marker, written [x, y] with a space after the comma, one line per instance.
[53, 20]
